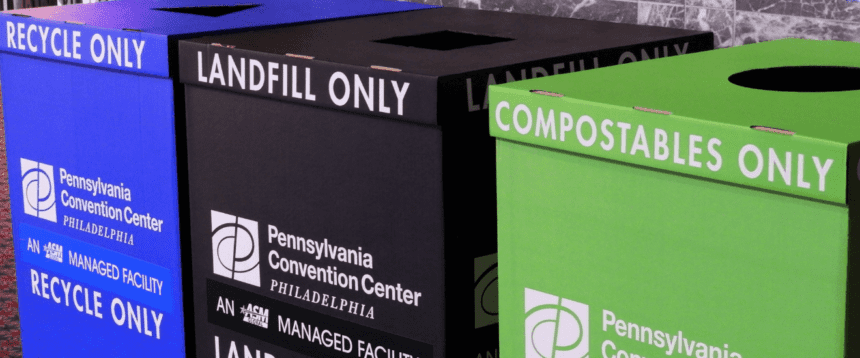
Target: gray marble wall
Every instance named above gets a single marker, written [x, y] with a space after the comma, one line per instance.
[734, 22]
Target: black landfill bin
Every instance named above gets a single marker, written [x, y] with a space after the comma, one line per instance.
[342, 177]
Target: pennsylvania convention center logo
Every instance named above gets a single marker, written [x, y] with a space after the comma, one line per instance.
[235, 248]
[555, 327]
[38, 181]
[486, 291]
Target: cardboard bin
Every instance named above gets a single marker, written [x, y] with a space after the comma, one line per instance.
[95, 134]
[341, 175]
[698, 206]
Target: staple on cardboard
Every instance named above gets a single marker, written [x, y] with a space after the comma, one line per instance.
[547, 93]
[772, 130]
[306, 57]
[657, 111]
[392, 69]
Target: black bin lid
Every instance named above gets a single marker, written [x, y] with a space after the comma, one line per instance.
[430, 44]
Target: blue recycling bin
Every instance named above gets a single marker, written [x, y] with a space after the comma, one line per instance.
[94, 120]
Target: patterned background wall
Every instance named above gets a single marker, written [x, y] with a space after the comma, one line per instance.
[734, 22]
[26, 4]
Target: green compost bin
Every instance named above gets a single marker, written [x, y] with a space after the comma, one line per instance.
[696, 206]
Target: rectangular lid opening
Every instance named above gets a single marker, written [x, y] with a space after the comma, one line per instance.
[211, 11]
[443, 40]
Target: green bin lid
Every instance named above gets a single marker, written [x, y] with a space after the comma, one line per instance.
[778, 115]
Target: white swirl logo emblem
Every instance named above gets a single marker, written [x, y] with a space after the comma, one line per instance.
[555, 327]
[235, 248]
[38, 182]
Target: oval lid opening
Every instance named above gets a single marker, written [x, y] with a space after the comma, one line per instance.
[800, 79]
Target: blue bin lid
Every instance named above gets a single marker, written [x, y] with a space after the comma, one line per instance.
[156, 21]
[185, 17]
